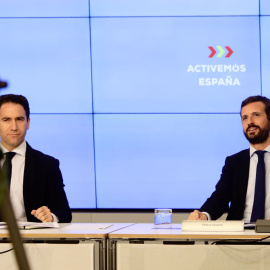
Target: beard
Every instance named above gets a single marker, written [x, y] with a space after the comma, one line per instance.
[261, 137]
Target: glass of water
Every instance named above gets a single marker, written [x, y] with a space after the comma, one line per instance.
[163, 218]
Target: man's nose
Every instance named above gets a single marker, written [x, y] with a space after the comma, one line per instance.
[250, 120]
[14, 125]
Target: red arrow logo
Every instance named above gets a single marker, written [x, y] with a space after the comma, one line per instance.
[230, 51]
[213, 52]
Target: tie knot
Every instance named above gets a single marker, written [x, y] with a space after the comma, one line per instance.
[10, 155]
[260, 153]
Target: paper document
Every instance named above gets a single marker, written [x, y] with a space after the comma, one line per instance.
[250, 225]
[37, 225]
[100, 226]
[31, 225]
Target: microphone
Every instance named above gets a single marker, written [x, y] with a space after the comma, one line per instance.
[3, 84]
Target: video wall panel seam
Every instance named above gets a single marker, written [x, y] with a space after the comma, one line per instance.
[175, 16]
[53, 17]
[260, 55]
[93, 118]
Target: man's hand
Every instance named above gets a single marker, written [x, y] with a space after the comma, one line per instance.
[197, 215]
[43, 213]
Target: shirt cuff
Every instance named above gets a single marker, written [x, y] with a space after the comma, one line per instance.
[55, 218]
[208, 216]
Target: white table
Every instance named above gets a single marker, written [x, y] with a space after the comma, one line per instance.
[71, 246]
[141, 246]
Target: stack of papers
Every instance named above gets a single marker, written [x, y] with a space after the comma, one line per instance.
[31, 225]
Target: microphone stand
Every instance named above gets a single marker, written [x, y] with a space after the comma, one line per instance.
[7, 213]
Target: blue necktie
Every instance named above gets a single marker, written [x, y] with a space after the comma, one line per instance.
[7, 166]
[259, 196]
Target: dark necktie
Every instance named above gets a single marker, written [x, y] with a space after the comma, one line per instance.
[7, 166]
[259, 196]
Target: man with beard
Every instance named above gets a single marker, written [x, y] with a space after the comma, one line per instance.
[235, 190]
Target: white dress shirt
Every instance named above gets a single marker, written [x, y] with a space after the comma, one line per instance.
[16, 184]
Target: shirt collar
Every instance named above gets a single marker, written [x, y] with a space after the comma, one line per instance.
[253, 150]
[21, 149]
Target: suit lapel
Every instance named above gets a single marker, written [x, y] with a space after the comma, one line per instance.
[28, 178]
[28, 170]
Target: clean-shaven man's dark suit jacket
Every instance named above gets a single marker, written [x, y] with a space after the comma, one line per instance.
[43, 186]
[231, 188]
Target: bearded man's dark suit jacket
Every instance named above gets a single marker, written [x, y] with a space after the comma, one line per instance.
[43, 186]
[231, 188]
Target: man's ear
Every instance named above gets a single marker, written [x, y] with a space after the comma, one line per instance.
[28, 123]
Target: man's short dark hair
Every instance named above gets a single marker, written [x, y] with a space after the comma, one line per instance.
[264, 100]
[17, 99]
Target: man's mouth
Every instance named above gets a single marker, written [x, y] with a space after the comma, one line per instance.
[252, 128]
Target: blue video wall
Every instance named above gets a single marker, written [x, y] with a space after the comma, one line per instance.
[138, 99]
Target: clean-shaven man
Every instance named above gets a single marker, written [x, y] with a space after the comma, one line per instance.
[36, 186]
